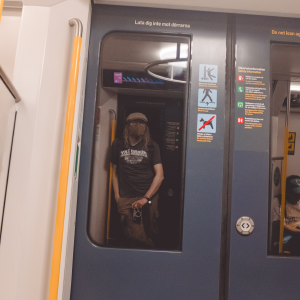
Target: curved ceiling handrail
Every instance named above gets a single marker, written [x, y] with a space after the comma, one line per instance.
[9, 85]
[78, 26]
[160, 62]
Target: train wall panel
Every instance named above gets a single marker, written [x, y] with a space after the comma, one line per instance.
[9, 33]
[289, 8]
[42, 70]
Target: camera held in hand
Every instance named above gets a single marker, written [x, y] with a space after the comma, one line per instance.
[137, 215]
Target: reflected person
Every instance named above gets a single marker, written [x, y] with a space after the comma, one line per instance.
[291, 241]
[137, 176]
[292, 214]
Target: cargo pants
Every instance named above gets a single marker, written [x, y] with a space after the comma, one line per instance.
[138, 232]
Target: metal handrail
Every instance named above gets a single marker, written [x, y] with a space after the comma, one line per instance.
[284, 168]
[9, 85]
[113, 133]
[65, 164]
[78, 26]
[160, 62]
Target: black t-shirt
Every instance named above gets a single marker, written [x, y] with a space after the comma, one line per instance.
[135, 166]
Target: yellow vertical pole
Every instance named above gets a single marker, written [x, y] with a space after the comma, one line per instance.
[284, 170]
[113, 131]
[64, 171]
[1, 8]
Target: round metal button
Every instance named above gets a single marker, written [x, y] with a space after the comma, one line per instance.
[170, 192]
[245, 225]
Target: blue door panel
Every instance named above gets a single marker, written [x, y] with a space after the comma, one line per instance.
[193, 273]
[252, 273]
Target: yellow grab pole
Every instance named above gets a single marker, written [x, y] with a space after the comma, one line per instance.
[1, 8]
[283, 188]
[113, 130]
[284, 169]
[64, 170]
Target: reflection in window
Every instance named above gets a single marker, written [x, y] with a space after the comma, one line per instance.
[284, 209]
[159, 105]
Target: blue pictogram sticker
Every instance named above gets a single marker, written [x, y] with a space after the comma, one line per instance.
[207, 97]
[206, 123]
[208, 73]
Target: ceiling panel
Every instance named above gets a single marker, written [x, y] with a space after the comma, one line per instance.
[287, 8]
[285, 62]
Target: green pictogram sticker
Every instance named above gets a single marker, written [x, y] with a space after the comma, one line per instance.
[240, 104]
[240, 89]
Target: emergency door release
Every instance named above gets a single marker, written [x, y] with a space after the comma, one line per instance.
[245, 225]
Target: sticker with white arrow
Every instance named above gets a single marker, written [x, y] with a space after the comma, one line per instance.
[245, 225]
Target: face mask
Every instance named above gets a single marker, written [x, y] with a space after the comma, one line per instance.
[137, 130]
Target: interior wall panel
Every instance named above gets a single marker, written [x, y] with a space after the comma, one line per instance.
[289, 8]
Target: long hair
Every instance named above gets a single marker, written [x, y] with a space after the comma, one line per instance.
[146, 137]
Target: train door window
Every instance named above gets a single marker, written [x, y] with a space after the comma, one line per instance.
[284, 211]
[145, 74]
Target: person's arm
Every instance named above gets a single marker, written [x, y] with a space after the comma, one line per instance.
[157, 180]
[115, 182]
[291, 228]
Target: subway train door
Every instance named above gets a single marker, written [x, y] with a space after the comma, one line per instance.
[266, 69]
[170, 66]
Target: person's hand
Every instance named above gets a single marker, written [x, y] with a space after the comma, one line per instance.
[293, 227]
[139, 203]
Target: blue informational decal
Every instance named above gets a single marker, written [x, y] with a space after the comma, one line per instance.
[206, 123]
[208, 73]
[207, 97]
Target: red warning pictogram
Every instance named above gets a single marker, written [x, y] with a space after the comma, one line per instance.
[241, 78]
[240, 120]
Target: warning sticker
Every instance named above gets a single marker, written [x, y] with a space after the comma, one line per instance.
[291, 147]
[206, 123]
[208, 102]
[207, 97]
[291, 143]
[292, 137]
[208, 73]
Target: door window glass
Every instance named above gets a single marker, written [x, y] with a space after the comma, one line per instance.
[284, 209]
[136, 198]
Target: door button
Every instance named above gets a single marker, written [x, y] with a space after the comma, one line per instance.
[170, 192]
[245, 225]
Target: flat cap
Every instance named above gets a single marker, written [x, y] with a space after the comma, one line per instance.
[137, 116]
